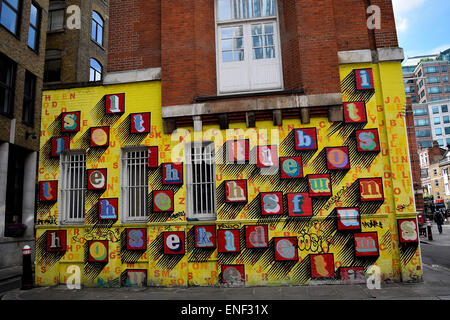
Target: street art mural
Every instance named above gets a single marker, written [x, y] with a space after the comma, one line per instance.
[297, 203]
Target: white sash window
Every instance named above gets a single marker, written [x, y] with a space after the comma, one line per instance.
[248, 55]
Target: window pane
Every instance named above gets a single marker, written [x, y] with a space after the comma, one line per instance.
[99, 34]
[270, 53]
[238, 43]
[227, 44]
[224, 10]
[257, 41]
[239, 55]
[8, 18]
[14, 3]
[31, 38]
[227, 56]
[258, 53]
[256, 29]
[34, 15]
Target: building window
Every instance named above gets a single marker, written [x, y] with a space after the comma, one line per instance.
[434, 69]
[423, 133]
[72, 186]
[447, 89]
[52, 68]
[14, 186]
[444, 108]
[422, 94]
[448, 142]
[433, 90]
[437, 120]
[200, 178]
[7, 83]
[446, 119]
[421, 122]
[134, 184]
[431, 80]
[56, 14]
[413, 99]
[29, 97]
[438, 131]
[440, 142]
[97, 28]
[420, 84]
[34, 27]
[248, 54]
[424, 144]
[409, 90]
[445, 78]
[9, 15]
[435, 110]
[95, 70]
[444, 68]
[438, 194]
[420, 112]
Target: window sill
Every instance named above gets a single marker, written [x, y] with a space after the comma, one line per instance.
[98, 44]
[248, 94]
[56, 31]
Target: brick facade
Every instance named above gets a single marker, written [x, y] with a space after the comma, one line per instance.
[75, 58]
[180, 38]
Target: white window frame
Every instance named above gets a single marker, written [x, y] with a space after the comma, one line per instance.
[248, 21]
[195, 210]
[140, 156]
[72, 196]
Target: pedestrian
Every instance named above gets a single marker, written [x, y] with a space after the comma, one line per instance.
[439, 219]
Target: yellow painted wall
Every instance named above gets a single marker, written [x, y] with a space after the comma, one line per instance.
[316, 235]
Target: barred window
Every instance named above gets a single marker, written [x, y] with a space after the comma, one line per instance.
[200, 177]
[72, 186]
[134, 183]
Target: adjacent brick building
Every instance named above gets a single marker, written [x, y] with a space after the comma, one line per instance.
[77, 41]
[22, 52]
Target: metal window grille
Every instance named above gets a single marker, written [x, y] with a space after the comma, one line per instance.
[72, 186]
[201, 185]
[134, 184]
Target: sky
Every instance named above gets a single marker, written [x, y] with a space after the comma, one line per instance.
[423, 26]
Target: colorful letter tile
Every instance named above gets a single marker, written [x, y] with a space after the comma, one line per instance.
[98, 251]
[136, 278]
[59, 145]
[140, 122]
[348, 219]
[48, 191]
[174, 242]
[137, 239]
[238, 151]
[233, 275]
[371, 189]
[305, 139]
[322, 265]
[163, 201]
[355, 112]
[153, 161]
[56, 240]
[236, 191]
[108, 209]
[286, 249]
[100, 137]
[364, 79]
[70, 121]
[407, 230]
[291, 167]
[338, 158]
[115, 103]
[256, 236]
[228, 240]
[97, 179]
[352, 275]
[367, 140]
[319, 185]
[172, 173]
[271, 203]
[205, 236]
[267, 156]
[366, 244]
[299, 205]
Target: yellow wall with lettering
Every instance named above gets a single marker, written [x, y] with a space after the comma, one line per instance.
[317, 237]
